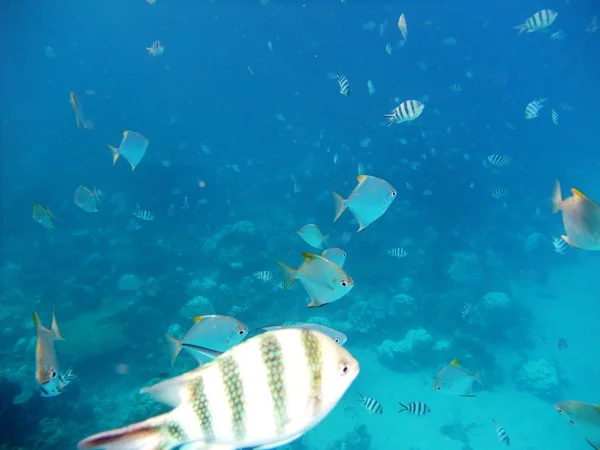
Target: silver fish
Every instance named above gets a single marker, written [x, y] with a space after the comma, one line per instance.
[133, 148]
[86, 199]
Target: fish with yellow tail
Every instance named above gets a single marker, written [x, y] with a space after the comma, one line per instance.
[324, 281]
[78, 111]
[133, 148]
[47, 372]
[585, 417]
[369, 200]
[454, 379]
[581, 219]
[266, 392]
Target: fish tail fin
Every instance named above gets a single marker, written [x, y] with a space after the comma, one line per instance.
[391, 119]
[289, 274]
[174, 347]
[115, 153]
[556, 197]
[339, 204]
[147, 435]
[97, 194]
[404, 407]
[522, 28]
[55, 330]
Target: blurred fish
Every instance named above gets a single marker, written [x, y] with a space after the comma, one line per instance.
[501, 433]
[532, 110]
[324, 281]
[543, 339]
[311, 234]
[416, 408]
[43, 216]
[466, 309]
[405, 112]
[555, 117]
[133, 225]
[337, 336]
[86, 199]
[133, 148]
[539, 21]
[143, 214]
[455, 380]
[581, 218]
[398, 252]
[402, 26]
[449, 41]
[263, 275]
[369, 200]
[335, 255]
[156, 48]
[360, 168]
[558, 35]
[562, 344]
[371, 87]
[585, 417]
[593, 25]
[499, 192]
[498, 160]
[78, 111]
[559, 245]
[264, 393]
[218, 333]
[370, 404]
[344, 85]
[47, 372]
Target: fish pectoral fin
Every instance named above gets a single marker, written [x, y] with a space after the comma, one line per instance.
[314, 303]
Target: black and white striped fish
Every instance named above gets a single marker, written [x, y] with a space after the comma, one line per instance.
[466, 309]
[560, 246]
[397, 252]
[263, 275]
[405, 112]
[416, 408]
[502, 435]
[498, 160]
[372, 405]
[555, 117]
[143, 215]
[540, 20]
[344, 84]
[263, 393]
[562, 344]
[532, 110]
[499, 192]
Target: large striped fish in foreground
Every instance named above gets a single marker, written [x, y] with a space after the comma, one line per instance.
[263, 393]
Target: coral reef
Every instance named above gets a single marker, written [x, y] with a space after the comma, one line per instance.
[357, 439]
[197, 306]
[540, 377]
[465, 268]
[409, 353]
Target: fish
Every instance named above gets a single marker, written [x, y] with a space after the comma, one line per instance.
[370, 404]
[501, 433]
[466, 309]
[532, 110]
[539, 21]
[263, 275]
[558, 35]
[499, 192]
[559, 245]
[562, 344]
[371, 87]
[311, 234]
[156, 48]
[86, 199]
[398, 252]
[133, 148]
[416, 408]
[78, 111]
[143, 215]
[455, 380]
[581, 219]
[555, 117]
[324, 281]
[133, 225]
[43, 216]
[585, 417]
[335, 255]
[369, 200]
[263, 393]
[218, 333]
[499, 160]
[402, 26]
[337, 336]
[47, 371]
[344, 84]
[406, 111]
[593, 25]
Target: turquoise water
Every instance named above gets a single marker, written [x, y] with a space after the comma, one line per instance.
[248, 134]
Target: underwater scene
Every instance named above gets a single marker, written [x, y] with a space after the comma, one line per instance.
[309, 225]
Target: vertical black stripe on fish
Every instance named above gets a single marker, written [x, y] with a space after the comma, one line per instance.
[502, 435]
[372, 405]
[272, 357]
[234, 391]
[314, 361]
[201, 408]
[173, 432]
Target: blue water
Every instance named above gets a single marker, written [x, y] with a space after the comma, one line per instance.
[219, 86]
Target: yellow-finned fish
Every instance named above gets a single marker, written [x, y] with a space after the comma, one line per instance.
[324, 281]
[585, 417]
[581, 218]
[43, 216]
[218, 333]
[86, 199]
[456, 380]
[264, 393]
[47, 372]
[369, 200]
[133, 148]
[311, 234]
[78, 111]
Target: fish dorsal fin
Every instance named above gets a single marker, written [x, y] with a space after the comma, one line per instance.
[124, 132]
[308, 256]
[578, 193]
[172, 392]
[455, 363]
[361, 178]
[199, 319]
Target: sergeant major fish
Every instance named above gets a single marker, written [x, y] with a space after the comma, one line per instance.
[405, 112]
[344, 85]
[263, 393]
[539, 21]
[369, 200]
[47, 372]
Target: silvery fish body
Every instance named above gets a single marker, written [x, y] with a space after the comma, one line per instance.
[265, 392]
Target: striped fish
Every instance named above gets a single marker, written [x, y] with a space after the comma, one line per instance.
[372, 405]
[265, 392]
[502, 435]
[532, 110]
[405, 112]
[499, 160]
[344, 84]
[143, 215]
[466, 309]
[539, 21]
[555, 117]
[398, 252]
[416, 408]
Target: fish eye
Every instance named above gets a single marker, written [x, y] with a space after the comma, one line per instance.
[343, 368]
[337, 340]
[344, 284]
[146, 141]
[393, 193]
[241, 332]
[53, 374]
